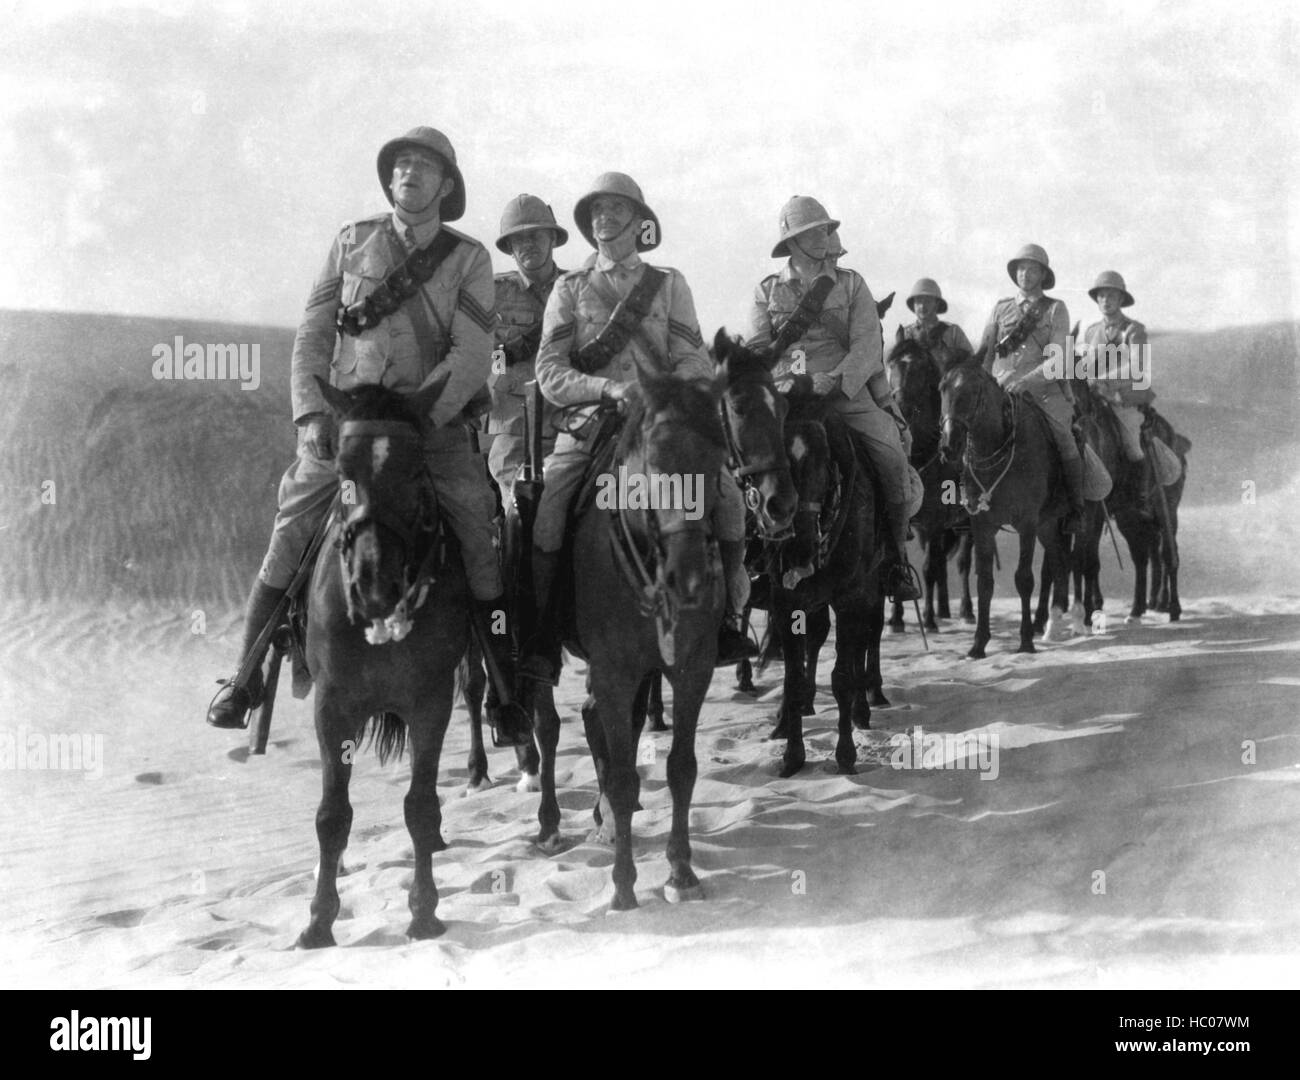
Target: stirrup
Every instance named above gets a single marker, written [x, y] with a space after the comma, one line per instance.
[232, 705]
[904, 583]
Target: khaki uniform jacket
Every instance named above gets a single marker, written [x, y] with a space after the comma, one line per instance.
[449, 321]
[1024, 368]
[668, 339]
[844, 339]
[1131, 333]
[520, 307]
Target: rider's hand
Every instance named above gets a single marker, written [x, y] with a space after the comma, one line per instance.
[318, 436]
[824, 382]
[615, 392]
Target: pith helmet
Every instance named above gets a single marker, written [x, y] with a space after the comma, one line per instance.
[798, 215]
[1110, 279]
[524, 213]
[927, 287]
[1033, 253]
[835, 249]
[426, 138]
[617, 183]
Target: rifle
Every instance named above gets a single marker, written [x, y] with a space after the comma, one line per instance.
[520, 518]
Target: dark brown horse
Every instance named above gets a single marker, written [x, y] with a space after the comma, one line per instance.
[1012, 476]
[649, 596]
[914, 376]
[832, 561]
[388, 622]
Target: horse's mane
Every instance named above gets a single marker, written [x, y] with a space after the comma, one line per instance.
[967, 366]
[658, 392]
[746, 365]
[907, 349]
[370, 401]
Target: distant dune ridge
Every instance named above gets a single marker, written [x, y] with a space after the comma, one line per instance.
[165, 490]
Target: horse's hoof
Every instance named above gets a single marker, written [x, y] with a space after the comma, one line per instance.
[790, 766]
[977, 653]
[473, 787]
[438, 844]
[969, 620]
[683, 894]
[601, 835]
[528, 782]
[747, 686]
[806, 709]
[897, 628]
[1175, 614]
[623, 902]
[315, 937]
[1027, 647]
[877, 699]
[656, 725]
[550, 845]
[426, 929]
[781, 731]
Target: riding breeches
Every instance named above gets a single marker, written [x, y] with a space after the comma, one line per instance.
[465, 500]
[885, 448]
[1060, 413]
[564, 473]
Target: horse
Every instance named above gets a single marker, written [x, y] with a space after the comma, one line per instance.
[832, 560]
[388, 623]
[914, 376]
[1008, 457]
[649, 596]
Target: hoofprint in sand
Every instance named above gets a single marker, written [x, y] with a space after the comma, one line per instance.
[1143, 827]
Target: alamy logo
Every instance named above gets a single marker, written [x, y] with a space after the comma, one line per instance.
[76, 1032]
[212, 363]
[973, 750]
[1092, 361]
[657, 491]
[37, 751]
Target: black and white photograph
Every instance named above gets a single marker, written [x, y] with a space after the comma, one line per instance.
[729, 495]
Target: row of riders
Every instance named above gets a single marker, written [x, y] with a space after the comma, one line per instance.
[409, 303]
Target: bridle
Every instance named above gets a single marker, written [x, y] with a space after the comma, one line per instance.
[412, 534]
[970, 462]
[745, 472]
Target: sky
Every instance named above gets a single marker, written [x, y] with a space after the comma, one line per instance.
[194, 161]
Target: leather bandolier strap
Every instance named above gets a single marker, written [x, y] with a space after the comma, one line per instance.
[623, 323]
[400, 285]
[804, 315]
[1023, 328]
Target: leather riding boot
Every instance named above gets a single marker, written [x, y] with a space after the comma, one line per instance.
[230, 707]
[540, 655]
[510, 722]
[1073, 521]
[733, 643]
[901, 580]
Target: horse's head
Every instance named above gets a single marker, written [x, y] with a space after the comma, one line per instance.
[674, 446]
[810, 460]
[970, 402]
[753, 413]
[914, 379]
[387, 499]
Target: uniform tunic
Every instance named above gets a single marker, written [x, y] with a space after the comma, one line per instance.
[668, 340]
[520, 305]
[1024, 368]
[947, 342]
[449, 322]
[844, 340]
[1120, 391]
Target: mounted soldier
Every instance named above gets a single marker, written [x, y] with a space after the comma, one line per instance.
[945, 341]
[602, 322]
[401, 294]
[529, 233]
[1014, 345]
[819, 319]
[1115, 336]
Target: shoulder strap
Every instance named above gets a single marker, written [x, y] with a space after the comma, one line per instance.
[402, 283]
[627, 317]
[803, 316]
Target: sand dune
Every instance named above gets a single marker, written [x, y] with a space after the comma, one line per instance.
[1162, 756]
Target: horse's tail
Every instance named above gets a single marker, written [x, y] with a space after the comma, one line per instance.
[387, 732]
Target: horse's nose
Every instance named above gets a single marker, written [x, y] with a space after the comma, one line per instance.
[779, 508]
[687, 585]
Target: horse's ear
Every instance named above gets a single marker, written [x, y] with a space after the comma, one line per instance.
[336, 399]
[722, 346]
[883, 306]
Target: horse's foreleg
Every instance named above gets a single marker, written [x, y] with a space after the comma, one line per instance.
[622, 784]
[688, 695]
[745, 677]
[592, 727]
[875, 679]
[1025, 584]
[819, 629]
[474, 678]
[941, 572]
[1171, 563]
[1046, 578]
[654, 706]
[423, 815]
[848, 677]
[794, 648]
[333, 821]
[547, 735]
[933, 569]
[985, 548]
[897, 624]
[965, 554]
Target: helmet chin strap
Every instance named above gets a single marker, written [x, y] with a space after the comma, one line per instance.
[418, 217]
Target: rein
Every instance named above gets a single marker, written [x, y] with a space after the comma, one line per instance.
[970, 462]
[746, 472]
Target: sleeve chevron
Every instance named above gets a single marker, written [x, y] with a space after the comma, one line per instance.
[481, 317]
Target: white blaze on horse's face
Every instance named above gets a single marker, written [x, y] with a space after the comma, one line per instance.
[378, 454]
[798, 448]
